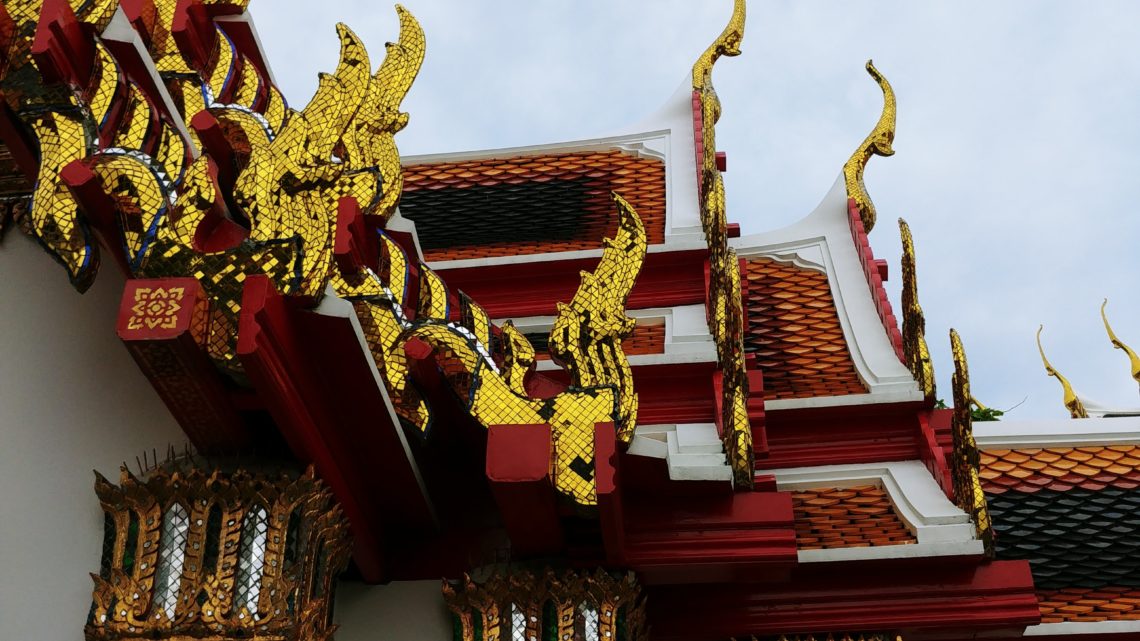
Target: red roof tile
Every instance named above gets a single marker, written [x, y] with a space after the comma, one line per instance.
[794, 331]
[1063, 468]
[847, 517]
[1089, 604]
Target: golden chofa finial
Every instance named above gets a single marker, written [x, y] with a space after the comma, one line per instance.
[877, 143]
[1118, 344]
[1072, 402]
[728, 44]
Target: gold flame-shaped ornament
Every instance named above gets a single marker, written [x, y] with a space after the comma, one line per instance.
[1072, 401]
[877, 143]
[1133, 358]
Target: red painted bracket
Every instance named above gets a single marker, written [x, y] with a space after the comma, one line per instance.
[61, 50]
[610, 509]
[161, 322]
[353, 246]
[519, 471]
[193, 31]
[100, 208]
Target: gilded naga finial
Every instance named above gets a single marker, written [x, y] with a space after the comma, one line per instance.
[728, 44]
[1118, 344]
[1072, 401]
[913, 320]
[877, 143]
[965, 459]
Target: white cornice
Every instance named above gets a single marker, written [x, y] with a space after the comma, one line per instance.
[942, 529]
[1081, 432]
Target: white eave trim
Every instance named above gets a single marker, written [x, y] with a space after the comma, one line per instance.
[686, 243]
[687, 338]
[693, 452]
[1081, 432]
[942, 529]
[1081, 628]
[822, 241]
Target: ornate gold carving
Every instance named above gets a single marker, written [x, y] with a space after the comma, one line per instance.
[913, 320]
[726, 317]
[156, 308]
[586, 337]
[965, 460]
[217, 557]
[877, 143]
[1072, 401]
[293, 169]
[1133, 359]
[587, 333]
[566, 606]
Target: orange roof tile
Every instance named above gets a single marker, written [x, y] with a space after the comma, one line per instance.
[641, 181]
[1089, 604]
[848, 517]
[794, 331]
[646, 339]
[1090, 468]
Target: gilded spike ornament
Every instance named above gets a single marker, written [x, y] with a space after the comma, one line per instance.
[217, 557]
[878, 143]
[1072, 401]
[726, 317]
[913, 320]
[563, 605]
[1133, 358]
[965, 459]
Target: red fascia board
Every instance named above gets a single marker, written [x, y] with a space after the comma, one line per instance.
[919, 599]
[842, 435]
[318, 385]
[533, 288]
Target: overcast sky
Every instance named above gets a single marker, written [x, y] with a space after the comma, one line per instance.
[1017, 157]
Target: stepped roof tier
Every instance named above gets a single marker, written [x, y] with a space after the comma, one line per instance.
[557, 375]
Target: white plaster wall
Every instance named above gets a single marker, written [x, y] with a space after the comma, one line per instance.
[402, 611]
[71, 399]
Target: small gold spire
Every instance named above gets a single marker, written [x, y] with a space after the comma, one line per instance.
[1118, 344]
[877, 143]
[1072, 402]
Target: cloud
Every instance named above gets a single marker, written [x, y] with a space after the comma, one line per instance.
[1017, 149]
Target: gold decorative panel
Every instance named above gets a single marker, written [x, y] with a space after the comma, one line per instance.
[217, 557]
[567, 606]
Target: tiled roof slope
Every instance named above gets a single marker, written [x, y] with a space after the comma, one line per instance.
[1078, 538]
[794, 331]
[849, 517]
[1060, 469]
[530, 204]
[1089, 605]
[646, 339]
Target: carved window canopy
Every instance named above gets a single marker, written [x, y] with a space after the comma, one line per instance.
[214, 557]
